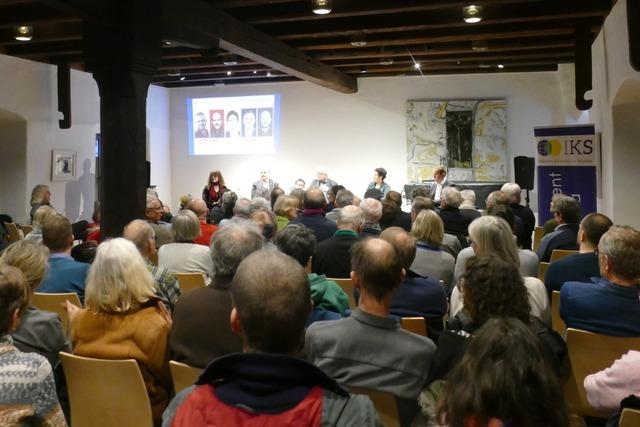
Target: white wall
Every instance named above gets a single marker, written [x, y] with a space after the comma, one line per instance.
[13, 164]
[158, 150]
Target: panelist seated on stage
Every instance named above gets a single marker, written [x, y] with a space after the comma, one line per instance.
[440, 182]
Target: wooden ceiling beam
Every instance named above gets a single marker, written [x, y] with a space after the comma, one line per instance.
[515, 69]
[32, 14]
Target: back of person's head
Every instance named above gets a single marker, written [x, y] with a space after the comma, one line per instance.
[57, 234]
[594, 226]
[493, 287]
[390, 212]
[373, 193]
[258, 203]
[378, 267]
[198, 207]
[513, 191]
[266, 221]
[505, 212]
[333, 192]
[450, 197]
[242, 208]
[39, 194]
[285, 206]
[497, 198]
[404, 244]
[394, 197]
[85, 252]
[119, 280]
[14, 296]
[314, 198]
[421, 203]
[428, 227]
[468, 198]
[140, 233]
[621, 246]
[372, 210]
[229, 199]
[503, 376]
[275, 193]
[233, 243]
[568, 208]
[492, 235]
[272, 301]
[297, 241]
[42, 214]
[343, 198]
[420, 192]
[30, 257]
[350, 218]
[185, 225]
[298, 193]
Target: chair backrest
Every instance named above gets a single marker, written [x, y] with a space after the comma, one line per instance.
[557, 254]
[105, 393]
[26, 229]
[53, 303]
[542, 270]
[385, 404]
[538, 234]
[14, 233]
[590, 353]
[348, 288]
[183, 375]
[190, 281]
[629, 418]
[153, 258]
[557, 323]
[417, 325]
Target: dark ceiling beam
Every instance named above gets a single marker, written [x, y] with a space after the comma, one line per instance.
[230, 4]
[28, 50]
[516, 69]
[220, 77]
[88, 10]
[197, 20]
[209, 70]
[223, 82]
[32, 14]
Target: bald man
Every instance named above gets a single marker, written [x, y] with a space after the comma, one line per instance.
[199, 207]
[332, 257]
[315, 205]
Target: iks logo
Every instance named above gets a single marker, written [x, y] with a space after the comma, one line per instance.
[567, 147]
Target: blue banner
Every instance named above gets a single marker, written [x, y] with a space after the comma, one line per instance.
[575, 181]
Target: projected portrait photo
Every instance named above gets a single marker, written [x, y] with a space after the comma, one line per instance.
[248, 122]
[217, 123]
[265, 117]
[233, 125]
[201, 126]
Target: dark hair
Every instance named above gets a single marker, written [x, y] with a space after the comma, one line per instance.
[503, 375]
[298, 193]
[85, 252]
[220, 178]
[314, 198]
[297, 241]
[57, 233]
[568, 208]
[333, 191]
[390, 212]
[420, 192]
[275, 193]
[233, 113]
[271, 294]
[594, 226]
[14, 294]
[300, 179]
[505, 212]
[382, 172]
[378, 266]
[343, 198]
[421, 203]
[394, 197]
[494, 287]
[373, 193]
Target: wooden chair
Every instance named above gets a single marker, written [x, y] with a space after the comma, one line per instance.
[153, 259]
[558, 254]
[54, 303]
[590, 353]
[348, 288]
[629, 418]
[538, 234]
[557, 323]
[417, 325]
[542, 270]
[26, 229]
[14, 233]
[105, 393]
[183, 375]
[385, 404]
[190, 281]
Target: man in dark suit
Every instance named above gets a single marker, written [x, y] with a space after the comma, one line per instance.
[454, 222]
[566, 211]
[514, 193]
[313, 214]
[333, 257]
[440, 181]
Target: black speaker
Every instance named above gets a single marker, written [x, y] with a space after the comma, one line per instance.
[148, 167]
[524, 168]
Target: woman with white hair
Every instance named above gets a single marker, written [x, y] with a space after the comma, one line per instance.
[123, 319]
[431, 260]
[185, 256]
[491, 235]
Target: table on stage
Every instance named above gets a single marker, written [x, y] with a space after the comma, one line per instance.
[482, 189]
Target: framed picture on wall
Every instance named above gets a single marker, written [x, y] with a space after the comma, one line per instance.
[63, 165]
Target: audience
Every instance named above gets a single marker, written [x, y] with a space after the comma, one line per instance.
[225, 209]
[286, 210]
[266, 222]
[275, 194]
[26, 381]
[333, 256]
[455, 222]
[268, 384]
[372, 212]
[431, 260]
[199, 207]
[343, 198]
[609, 305]
[514, 195]
[331, 196]
[580, 267]
[154, 214]
[566, 211]
[396, 217]
[468, 205]
[42, 214]
[201, 330]
[313, 214]
[65, 274]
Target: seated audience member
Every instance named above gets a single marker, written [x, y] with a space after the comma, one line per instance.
[154, 214]
[468, 205]
[373, 193]
[40, 196]
[286, 210]
[369, 349]
[93, 229]
[567, 214]
[313, 214]
[65, 274]
[431, 260]
[609, 305]
[343, 198]
[199, 207]
[43, 213]
[580, 267]
[201, 329]
[184, 256]
[223, 210]
[333, 256]
[550, 225]
[329, 300]
[331, 196]
[298, 193]
[26, 381]
[185, 199]
[241, 211]
[257, 203]
[416, 296]
[491, 287]
[491, 235]
[266, 222]
[275, 193]
[389, 213]
[514, 194]
[141, 234]
[454, 221]
[123, 319]
[372, 212]
[503, 380]
[420, 192]
[399, 219]
[607, 388]
[499, 198]
[268, 384]
[85, 252]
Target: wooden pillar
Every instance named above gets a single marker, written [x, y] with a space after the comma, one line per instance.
[123, 52]
[583, 71]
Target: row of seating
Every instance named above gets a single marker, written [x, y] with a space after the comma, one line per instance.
[16, 231]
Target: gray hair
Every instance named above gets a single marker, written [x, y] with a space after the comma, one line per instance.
[451, 197]
[42, 214]
[372, 210]
[621, 244]
[37, 194]
[468, 197]
[185, 225]
[139, 232]
[513, 191]
[151, 200]
[233, 243]
[242, 208]
[350, 217]
[492, 235]
[259, 203]
[421, 203]
[344, 198]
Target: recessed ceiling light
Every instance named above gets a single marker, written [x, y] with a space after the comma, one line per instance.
[255, 72]
[483, 65]
[167, 43]
[479, 45]
[416, 65]
[363, 70]
[230, 59]
[174, 73]
[321, 7]
[183, 78]
[229, 73]
[472, 14]
[24, 33]
[386, 61]
[501, 66]
[359, 39]
[268, 74]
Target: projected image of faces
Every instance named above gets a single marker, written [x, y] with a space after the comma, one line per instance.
[217, 123]
[201, 126]
[233, 125]
[265, 125]
[248, 122]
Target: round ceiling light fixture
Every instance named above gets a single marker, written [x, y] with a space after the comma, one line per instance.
[472, 14]
[24, 33]
[321, 7]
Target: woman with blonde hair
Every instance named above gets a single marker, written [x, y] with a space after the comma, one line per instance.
[431, 260]
[41, 214]
[286, 209]
[212, 192]
[123, 319]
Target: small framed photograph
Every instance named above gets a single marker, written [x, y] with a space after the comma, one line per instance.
[63, 165]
